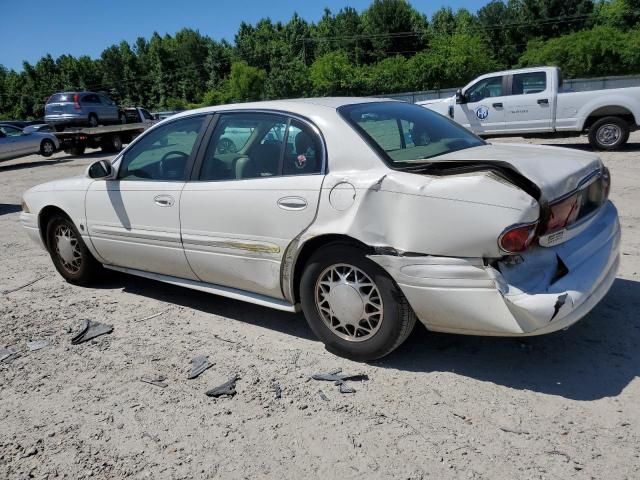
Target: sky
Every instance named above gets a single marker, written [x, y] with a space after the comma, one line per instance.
[31, 29]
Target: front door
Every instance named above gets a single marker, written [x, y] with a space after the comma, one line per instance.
[134, 220]
[257, 188]
[483, 112]
[529, 108]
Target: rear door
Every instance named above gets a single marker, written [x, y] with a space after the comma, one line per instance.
[529, 107]
[484, 110]
[134, 220]
[257, 187]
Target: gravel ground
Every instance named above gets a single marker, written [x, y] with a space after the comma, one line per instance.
[442, 406]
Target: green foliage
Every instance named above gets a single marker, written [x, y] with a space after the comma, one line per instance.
[389, 47]
[598, 51]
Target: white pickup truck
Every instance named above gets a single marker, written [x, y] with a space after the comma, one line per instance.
[530, 102]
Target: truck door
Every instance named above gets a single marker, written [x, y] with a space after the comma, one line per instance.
[483, 111]
[529, 108]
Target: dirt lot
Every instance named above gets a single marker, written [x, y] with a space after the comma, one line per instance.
[442, 406]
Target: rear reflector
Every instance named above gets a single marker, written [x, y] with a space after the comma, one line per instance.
[517, 238]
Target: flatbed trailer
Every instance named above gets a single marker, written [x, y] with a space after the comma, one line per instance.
[109, 138]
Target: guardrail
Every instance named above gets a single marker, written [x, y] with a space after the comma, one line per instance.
[576, 84]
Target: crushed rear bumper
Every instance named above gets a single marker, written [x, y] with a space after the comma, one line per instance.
[545, 290]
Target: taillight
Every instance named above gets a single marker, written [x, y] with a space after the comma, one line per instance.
[517, 238]
[76, 101]
[563, 213]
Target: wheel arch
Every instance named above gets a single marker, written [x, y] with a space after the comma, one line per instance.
[292, 270]
[45, 216]
[610, 111]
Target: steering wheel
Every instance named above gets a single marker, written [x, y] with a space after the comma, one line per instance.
[163, 170]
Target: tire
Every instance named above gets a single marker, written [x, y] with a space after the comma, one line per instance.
[47, 148]
[609, 133]
[76, 151]
[112, 144]
[71, 257]
[93, 120]
[350, 336]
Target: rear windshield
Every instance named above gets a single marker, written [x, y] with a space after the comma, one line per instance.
[61, 97]
[406, 135]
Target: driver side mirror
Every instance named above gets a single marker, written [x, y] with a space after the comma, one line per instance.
[460, 98]
[100, 169]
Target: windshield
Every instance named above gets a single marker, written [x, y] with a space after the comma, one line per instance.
[405, 134]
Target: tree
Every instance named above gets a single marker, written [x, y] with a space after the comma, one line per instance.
[394, 27]
[333, 74]
[246, 83]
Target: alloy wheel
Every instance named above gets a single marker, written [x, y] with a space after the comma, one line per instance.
[608, 134]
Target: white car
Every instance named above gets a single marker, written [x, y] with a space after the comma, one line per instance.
[376, 213]
[531, 101]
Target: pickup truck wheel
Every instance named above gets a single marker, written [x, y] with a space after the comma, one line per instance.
[93, 120]
[69, 253]
[47, 148]
[352, 304]
[609, 133]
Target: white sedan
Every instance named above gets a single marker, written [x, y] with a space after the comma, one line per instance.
[364, 213]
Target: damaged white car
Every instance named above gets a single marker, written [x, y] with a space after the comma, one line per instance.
[364, 213]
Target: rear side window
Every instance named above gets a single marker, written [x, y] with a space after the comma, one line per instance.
[61, 98]
[527, 83]
[91, 98]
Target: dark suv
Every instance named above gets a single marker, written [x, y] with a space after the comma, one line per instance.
[81, 109]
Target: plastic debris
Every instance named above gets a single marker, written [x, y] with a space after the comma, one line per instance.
[157, 380]
[323, 396]
[339, 379]
[37, 345]
[227, 389]
[8, 354]
[277, 389]
[91, 330]
[198, 365]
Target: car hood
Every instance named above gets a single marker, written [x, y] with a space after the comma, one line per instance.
[66, 184]
[556, 171]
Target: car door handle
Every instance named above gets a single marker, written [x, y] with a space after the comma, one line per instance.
[292, 203]
[497, 105]
[164, 200]
[543, 101]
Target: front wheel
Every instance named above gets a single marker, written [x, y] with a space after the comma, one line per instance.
[352, 304]
[69, 253]
[609, 133]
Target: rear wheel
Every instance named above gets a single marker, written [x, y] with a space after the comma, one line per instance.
[112, 144]
[47, 148]
[609, 133]
[352, 304]
[69, 253]
[93, 120]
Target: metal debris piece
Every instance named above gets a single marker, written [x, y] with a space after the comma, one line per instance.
[198, 365]
[8, 354]
[323, 396]
[277, 389]
[11, 290]
[37, 344]
[152, 316]
[157, 380]
[344, 388]
[227, 389]
[91, 330]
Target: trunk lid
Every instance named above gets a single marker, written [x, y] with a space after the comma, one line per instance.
[556, 171]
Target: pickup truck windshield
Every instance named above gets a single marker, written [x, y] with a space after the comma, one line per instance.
[406, 135]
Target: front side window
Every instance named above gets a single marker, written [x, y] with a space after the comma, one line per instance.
[527, 83]
[485, 88]
[163, 153]
[10, 131]
[406, 135]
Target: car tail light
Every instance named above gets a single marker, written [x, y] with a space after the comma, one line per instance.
[518, 237]
[563, 213]
[76, 101]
